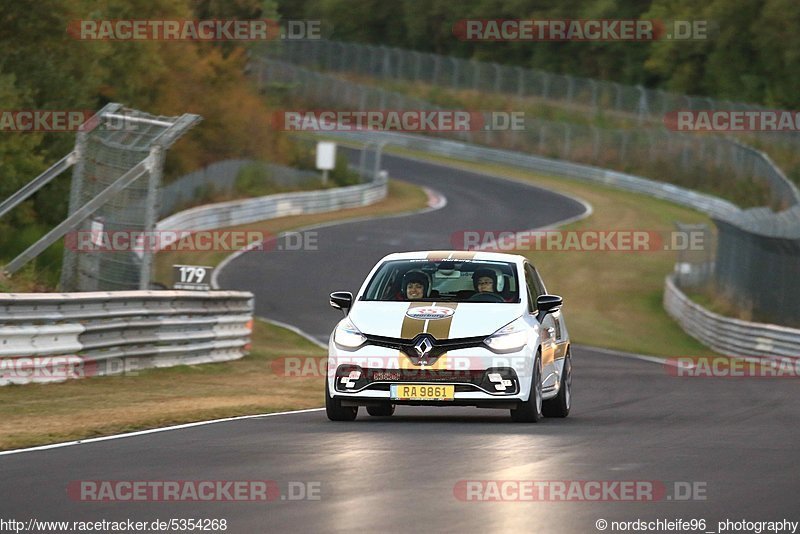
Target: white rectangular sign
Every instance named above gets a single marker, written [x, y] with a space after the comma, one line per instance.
[326, 156]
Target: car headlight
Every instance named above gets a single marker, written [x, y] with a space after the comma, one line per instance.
[511, 338]
[347, 335]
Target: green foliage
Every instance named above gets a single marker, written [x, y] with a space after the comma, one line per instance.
[43, 67]
[752, 52]
[254, 180]
[18, 159]
[341, 174]
[303, 156]
[44, 271]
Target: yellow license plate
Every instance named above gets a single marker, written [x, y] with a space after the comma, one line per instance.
[422, 392]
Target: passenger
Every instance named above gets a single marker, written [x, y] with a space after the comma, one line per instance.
[485, 281]
[415, 286]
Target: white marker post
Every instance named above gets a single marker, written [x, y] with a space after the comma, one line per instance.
[326, 158]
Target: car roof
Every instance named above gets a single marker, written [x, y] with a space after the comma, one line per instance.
[455, 255]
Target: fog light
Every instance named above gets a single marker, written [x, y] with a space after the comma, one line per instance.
[348, 376]
[500, 380]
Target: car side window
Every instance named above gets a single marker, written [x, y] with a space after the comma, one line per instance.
[539, 282]
[535, 283]
[531, 288]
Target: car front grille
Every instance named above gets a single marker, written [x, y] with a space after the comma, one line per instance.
[439, 346]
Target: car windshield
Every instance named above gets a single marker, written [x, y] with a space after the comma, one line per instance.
[444, 281]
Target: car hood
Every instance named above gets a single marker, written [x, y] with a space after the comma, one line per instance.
[443, 320]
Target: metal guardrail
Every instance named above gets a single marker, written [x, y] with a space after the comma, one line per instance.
[726, 335]
[700, 201]
[238, 212]
[100, 333]
[222, 175]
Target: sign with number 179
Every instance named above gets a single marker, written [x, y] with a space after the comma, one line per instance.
[193, 277]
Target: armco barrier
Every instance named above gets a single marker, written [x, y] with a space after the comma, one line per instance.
[726, 335]
[124, 331]
[237, 212]
[221, 176]
[713, 206]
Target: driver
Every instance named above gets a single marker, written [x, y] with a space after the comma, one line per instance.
[415, 285]
[485, 281]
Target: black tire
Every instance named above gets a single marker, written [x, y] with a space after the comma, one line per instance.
[384, 410]
[530, 411]
[334, 409]
[559, 405]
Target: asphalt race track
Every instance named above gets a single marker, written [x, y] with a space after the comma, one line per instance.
[293, 285]
[733, 440]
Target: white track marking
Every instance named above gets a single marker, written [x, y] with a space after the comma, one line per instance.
[154, 430]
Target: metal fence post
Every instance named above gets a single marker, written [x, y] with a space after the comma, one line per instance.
[642, 109]
[378, 153]
[150, 210]
[69, 263]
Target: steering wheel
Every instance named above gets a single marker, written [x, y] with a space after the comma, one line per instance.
[486, 297]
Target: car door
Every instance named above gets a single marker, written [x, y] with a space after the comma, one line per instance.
[548, 326]
[561, 335]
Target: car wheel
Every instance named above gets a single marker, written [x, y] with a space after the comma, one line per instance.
[530, 411]
[384, 410]
[559, 405]
[335, 410]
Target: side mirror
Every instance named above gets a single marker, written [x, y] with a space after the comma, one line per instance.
[547, 304]
[342, 300]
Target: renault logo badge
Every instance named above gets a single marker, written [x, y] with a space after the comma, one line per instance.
[423, 347]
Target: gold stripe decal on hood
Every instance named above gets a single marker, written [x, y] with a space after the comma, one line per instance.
[411, 327]
[438, 328]
[441, 329]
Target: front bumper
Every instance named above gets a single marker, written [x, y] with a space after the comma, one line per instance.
[479, 376]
